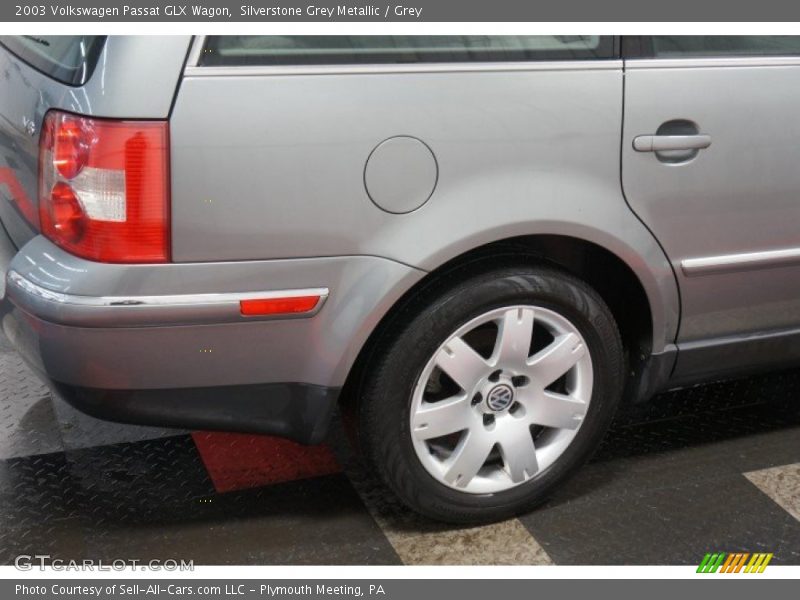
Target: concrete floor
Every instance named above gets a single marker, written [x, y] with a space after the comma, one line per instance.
[709, 469]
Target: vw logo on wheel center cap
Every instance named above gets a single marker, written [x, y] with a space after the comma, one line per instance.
[500, 397]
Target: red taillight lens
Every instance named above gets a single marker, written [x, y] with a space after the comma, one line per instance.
[103, 188]
[71, 152]
[66, 213]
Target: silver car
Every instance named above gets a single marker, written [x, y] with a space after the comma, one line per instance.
[479, 245]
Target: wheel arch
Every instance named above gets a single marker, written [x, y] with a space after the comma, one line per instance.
[631, 292]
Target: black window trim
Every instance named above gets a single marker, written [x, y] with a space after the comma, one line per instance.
[637, 46]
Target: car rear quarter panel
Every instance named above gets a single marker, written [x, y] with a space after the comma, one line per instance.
[271, 165]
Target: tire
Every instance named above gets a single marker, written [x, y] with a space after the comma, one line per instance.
[419, 384]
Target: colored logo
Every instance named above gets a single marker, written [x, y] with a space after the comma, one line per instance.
[734, 562]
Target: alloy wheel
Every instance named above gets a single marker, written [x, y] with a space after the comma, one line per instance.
[501, 399]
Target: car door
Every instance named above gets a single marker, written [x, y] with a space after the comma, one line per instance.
[711, 164]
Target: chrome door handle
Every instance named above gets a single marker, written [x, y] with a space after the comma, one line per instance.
[665, 143]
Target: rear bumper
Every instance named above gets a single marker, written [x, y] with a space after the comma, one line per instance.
[295, 411]
[167, 345]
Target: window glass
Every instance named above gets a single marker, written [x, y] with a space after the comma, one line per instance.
[725, 45]
[399, 49]
[66, 58]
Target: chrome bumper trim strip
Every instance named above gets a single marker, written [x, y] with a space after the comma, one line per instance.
[145, 311]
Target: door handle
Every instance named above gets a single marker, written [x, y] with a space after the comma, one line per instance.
[666, 143]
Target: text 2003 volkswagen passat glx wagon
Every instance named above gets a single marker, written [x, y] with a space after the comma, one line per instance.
[481, 243]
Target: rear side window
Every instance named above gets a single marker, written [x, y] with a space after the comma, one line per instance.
[244, 50]
[69, 59]
[680, 46]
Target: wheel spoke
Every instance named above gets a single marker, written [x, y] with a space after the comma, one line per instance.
[436, 419]
[550, 363]
[514, 338]
[461, 363]
[519, 452]
[467, 458]
[554, 410]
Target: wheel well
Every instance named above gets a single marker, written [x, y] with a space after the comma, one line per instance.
[604, 271]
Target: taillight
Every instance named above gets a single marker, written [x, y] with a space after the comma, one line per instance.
[71, 147]
[104, 187]
[67, 214]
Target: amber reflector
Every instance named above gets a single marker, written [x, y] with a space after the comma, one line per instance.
[278, 306]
